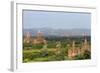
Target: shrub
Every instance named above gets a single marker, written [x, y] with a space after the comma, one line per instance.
[87, 54]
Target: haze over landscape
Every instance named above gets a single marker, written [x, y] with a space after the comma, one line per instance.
[59, 32]
[56, 23]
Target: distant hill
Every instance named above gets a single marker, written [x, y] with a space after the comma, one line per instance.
[58, 32]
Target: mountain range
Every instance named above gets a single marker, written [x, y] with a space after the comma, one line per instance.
[58, 32]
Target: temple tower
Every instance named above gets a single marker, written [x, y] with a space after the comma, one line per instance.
[27, 37]
[39, 39]
[85, 45]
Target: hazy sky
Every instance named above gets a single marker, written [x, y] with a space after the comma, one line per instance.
[62, 20]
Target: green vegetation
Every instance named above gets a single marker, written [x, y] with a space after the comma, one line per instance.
[40, 53]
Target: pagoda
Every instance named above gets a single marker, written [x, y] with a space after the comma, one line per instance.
[39, 38]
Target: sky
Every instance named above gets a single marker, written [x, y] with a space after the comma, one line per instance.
[56, 20]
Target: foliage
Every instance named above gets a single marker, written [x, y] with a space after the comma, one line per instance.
[85, 55]
[36, 52]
